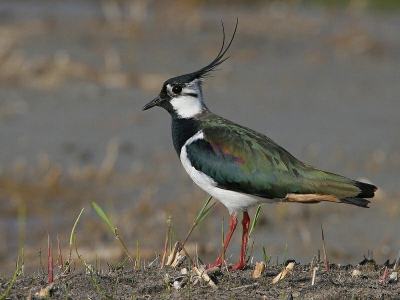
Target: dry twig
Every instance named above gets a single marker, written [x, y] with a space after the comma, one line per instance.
[203, 274]
[259, 268]
[283, 274]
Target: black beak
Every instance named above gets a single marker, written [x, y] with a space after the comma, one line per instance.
[152, 103]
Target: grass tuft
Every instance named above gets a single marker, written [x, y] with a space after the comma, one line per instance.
[137, 261]
[101, 213]
[324, 249]
[205, 210]
[49, 261]
[255, 219]
[265, 256]
[59, 254]
[167, 238]
[71, 242]
[14, 278]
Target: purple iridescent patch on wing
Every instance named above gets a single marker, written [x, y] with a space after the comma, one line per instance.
[222, 150]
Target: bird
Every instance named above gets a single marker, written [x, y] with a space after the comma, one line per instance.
[239, 166]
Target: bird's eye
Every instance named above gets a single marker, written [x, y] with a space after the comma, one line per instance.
[176, 89]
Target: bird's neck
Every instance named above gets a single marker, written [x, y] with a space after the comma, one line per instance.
[182, 130]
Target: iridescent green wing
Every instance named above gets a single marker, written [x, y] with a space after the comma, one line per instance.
[240, 159]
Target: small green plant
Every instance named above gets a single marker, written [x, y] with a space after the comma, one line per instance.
[284, 261]
[101, 213]
[189, 293]
[67, 290]
[251, 251]
[255, 219]
[202, 214]
[49, 261]
[17, 271]
[179, 245]
[92, 271]
[89, 270]
[71, 243]
[22, 261]
[115, 287]
[253, 225]
[324, 249]
[167, 238]
[59, 256]
[265, 256]
[21, 225]
[284, 256]
[137, 262]
[171, 232]
[40, 261]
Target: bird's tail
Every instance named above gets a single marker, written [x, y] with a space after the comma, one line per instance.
[366, 190]
[355, 201]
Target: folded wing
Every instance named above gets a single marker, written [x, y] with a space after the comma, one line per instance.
[243, 160]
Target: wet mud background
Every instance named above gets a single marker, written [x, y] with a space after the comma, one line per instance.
[321, 82]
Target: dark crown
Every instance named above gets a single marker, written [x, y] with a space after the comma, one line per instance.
[204, 72]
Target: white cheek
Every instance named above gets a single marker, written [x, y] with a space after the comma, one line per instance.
[186, 106]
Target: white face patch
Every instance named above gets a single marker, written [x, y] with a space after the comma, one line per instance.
[189, 103]
[186, 106]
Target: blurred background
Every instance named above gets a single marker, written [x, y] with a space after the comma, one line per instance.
[321, 81]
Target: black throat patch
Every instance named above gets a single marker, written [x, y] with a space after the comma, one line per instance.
[182, 130]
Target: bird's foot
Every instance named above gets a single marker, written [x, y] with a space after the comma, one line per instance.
[216, 264]
[238, 266]
[220, 264]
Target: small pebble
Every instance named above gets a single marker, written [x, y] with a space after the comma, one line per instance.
[177, 285]
[393, 277]
[295, 294]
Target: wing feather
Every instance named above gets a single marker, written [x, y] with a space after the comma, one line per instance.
[244, 160]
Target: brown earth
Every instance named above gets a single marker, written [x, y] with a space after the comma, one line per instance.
[341, 282]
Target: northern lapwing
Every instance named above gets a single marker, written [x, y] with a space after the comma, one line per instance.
[239, 166]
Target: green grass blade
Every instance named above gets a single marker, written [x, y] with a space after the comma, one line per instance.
[101, 213]
[71, 237]
[265, 256]
[14, 278]
[114, 229]
[137, 262]
[204, 211]
[255, 219]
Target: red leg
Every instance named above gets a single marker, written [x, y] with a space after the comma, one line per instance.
[245, 238]
[232, 226]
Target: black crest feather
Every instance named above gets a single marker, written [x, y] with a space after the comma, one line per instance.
[205, 71]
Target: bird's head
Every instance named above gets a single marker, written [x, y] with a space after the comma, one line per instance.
[182, 96]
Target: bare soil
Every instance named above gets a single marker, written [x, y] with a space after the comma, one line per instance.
[340, 282]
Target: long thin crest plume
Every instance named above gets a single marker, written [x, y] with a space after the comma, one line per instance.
[204, 72]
